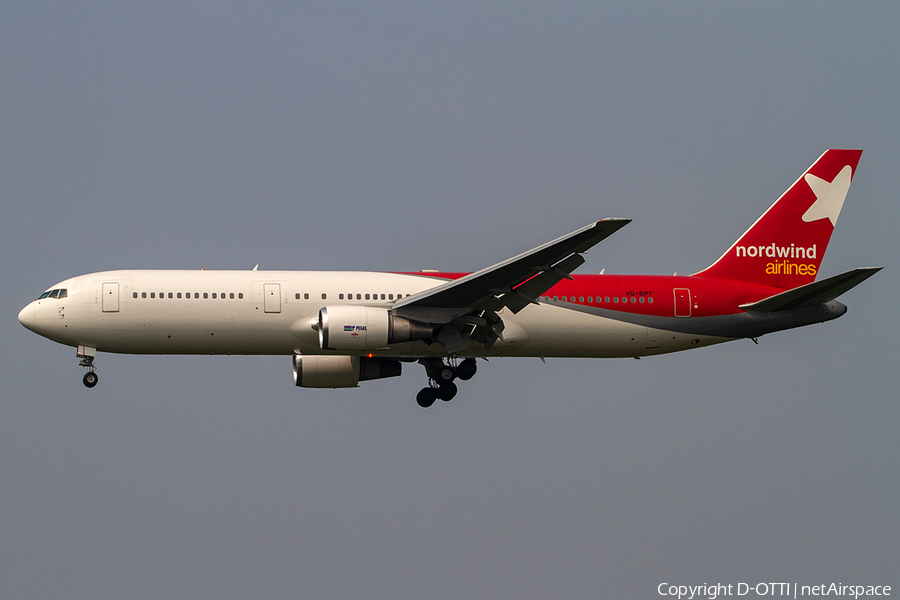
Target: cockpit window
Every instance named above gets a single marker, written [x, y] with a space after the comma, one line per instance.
[57, 293]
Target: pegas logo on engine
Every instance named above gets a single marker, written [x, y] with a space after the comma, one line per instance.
[354, 330]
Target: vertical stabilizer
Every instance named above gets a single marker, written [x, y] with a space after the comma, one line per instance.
[785, 246]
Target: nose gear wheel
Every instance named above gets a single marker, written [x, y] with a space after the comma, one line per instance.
[90, 378]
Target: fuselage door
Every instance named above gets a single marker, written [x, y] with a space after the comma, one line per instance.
[682, 302]
[272, 297]
[110, 295]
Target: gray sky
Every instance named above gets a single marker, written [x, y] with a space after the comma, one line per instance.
[408, 136]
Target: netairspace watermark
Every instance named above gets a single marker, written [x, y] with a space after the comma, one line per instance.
[711, 591]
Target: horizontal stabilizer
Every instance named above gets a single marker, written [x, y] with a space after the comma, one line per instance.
[813, 294]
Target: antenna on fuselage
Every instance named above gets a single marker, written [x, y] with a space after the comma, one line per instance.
[255, 268]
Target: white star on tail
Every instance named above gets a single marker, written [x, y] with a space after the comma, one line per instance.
[829, 196]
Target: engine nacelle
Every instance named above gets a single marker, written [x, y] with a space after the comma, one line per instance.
[358, 328]
[341, 371]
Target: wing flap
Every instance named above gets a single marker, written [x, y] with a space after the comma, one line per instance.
[812, 294]
[515, 282]
[529, 291]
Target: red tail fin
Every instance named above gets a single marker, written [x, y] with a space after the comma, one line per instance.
[784, 248]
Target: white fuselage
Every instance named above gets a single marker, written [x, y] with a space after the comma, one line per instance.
[275, 312]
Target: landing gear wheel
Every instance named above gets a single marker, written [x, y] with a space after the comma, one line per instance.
[426, 397]
[446, 374]
[447, 391]
[90, 379]
[466, 369]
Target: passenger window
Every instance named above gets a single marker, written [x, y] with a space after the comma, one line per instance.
[297, 296]
[650, 300]
[205, 295]
[240, 295]
[134, 295]
[606, 299]
[590, 300]
[143, 294]
[153, 294]
[359, 296]
[581, 299]
[615, 299]
[324, 296]
[170, 295]
[642, 299]
[306, 296]
[340, 296]
[179, 294]
[390, 296]
[382, 297]
[214, 295]
[196, 294]
[367, 296]
[231, 295]
[634, 300]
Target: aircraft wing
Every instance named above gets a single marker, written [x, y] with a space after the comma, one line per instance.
[812, 294]
[513, 283]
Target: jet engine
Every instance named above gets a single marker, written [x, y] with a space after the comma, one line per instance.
[341, 371]
[359, 328]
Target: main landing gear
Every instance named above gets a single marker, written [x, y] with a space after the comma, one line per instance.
[441, 377]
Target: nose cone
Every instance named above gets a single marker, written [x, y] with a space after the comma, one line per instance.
[26, 317]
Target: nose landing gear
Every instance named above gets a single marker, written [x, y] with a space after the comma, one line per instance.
[90, 379]
[441, 377]
[87, 360]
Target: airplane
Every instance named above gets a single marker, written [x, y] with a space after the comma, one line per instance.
[342, 328]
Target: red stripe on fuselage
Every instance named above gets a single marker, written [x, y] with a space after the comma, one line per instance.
[709, 297]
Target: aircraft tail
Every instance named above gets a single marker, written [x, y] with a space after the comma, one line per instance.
[785, 246]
